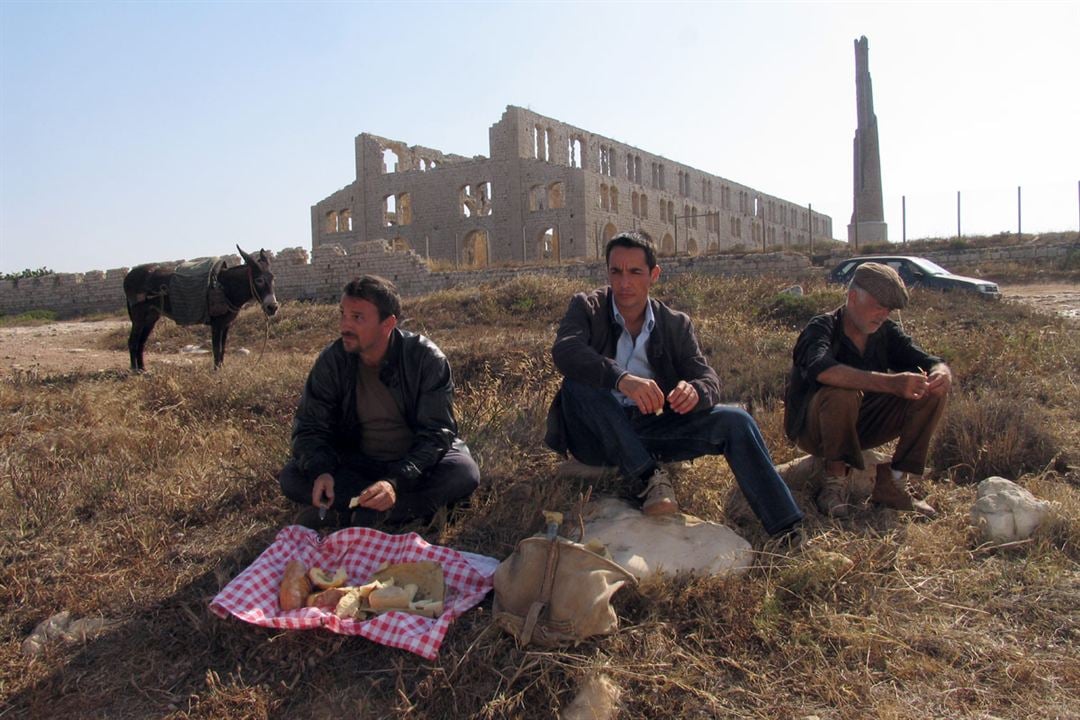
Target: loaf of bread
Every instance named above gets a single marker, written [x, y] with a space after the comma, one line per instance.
[295, 586]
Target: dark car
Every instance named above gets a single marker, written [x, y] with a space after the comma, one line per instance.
[917, 272]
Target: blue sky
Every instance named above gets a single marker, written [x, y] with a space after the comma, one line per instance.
[132, 132]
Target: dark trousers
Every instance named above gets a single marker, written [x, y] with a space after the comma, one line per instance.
[841, 423]
[452, 479]
[600, 431]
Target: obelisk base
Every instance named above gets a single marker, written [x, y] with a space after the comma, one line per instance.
[869, 232]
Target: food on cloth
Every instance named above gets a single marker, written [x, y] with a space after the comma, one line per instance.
[392, 597]
[323, 580]
[412, 587]
[417, 587]
[327, 598]
[295, 586]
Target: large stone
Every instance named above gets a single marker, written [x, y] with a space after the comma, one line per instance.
[668, 544]
[804, 476]
[1006, 512]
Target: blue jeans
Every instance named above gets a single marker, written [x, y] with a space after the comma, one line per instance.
[601, 431]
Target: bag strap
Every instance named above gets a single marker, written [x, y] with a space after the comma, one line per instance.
[542, 601]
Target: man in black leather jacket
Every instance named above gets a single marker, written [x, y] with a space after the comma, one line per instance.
[374, 437]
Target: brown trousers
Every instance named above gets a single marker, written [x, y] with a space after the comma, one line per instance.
[841, 423]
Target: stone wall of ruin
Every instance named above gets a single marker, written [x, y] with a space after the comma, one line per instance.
[320, 275]
[554, 191]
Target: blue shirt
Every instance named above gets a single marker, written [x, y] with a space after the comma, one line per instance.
[630, 352]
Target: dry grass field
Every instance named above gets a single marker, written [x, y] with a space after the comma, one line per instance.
[134, 499]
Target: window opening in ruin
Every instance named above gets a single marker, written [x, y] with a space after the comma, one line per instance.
[542, 143]
[344, 220]
[634, 204]
[692, 247]
[629, 166]
[547, 244]
[604, 203]
[467, 201]
[423, 165]
[485, 198]
[637, 170]
[404, 209]
[693, 217]
[609, 232]
[389, 211]
[614, 199]
[644, 206]
[330, 224]
[655, 176]
[537, 198]
[667, 245]
[555, 195]
[575, 152]
[670, 211]
[390, 161]
[474, 249]
[662, 187]
[663, 211]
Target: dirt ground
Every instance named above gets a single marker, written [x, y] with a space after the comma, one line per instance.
[72, 346]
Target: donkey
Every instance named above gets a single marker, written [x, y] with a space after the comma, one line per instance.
[206, 293]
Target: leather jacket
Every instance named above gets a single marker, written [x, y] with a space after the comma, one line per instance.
[584, 350]
[326, 430]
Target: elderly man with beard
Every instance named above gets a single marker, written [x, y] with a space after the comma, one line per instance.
[858, 381]
[374, 438]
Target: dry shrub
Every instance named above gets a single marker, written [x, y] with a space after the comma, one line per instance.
[138, 498]
[983, 435]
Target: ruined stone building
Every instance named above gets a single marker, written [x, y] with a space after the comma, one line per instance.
[549, 192]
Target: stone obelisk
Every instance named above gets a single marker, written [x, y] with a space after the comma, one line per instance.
[867, 216]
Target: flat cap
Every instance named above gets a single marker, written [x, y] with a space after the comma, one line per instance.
[882, 282]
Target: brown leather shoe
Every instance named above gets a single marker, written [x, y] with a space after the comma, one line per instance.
[833, 499]
[894, 494]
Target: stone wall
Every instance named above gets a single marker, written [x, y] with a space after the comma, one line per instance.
[320, 276]
[548, 191]
[960, 259]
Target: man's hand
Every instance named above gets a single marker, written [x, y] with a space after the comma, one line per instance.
[645, 393]
[940, 380]
[909, 385]
[322, 492]
[683, 398]
[378, 496]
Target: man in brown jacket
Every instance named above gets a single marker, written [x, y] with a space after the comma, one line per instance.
[638, 391]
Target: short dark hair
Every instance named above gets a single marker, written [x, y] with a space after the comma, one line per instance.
[378, 291]
[636, 239]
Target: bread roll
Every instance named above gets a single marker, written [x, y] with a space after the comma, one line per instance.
[295, 586]
[322, 579]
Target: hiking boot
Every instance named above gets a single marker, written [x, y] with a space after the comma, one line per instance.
[833, 497]
[892, 492]
[659, 495]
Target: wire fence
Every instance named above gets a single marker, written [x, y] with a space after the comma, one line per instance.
[1027, 209]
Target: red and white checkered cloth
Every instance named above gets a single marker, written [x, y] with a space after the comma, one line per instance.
[252, 595]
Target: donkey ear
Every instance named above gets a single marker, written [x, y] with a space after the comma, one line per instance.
[247, 258]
